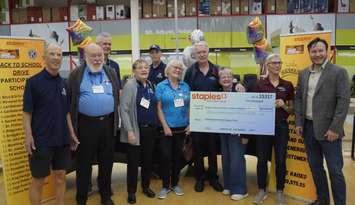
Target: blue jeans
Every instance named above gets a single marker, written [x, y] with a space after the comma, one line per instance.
[264, 146]
[233, 164]
[317, 150]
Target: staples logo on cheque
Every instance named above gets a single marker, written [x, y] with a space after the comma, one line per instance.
[209, 96]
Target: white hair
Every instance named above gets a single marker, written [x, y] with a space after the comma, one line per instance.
[171, 64]
[270, 57]
[103, 35]
[47, 45]
[200, 44]
[225, 70]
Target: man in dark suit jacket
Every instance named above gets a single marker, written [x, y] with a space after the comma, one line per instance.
[321, 104]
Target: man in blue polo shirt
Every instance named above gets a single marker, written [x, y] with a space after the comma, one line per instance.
[94, 92]
[48, 128]
[105, 41]
[157, 68]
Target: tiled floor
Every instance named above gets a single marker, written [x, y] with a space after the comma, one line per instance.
[208, 197]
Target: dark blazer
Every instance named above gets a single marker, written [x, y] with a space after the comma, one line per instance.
[330, 101]
[74, 82]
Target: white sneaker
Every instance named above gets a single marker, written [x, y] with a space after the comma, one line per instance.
[260, 197]
[178, 190]
[238, 197]
[280, 198]
[163, 193]
[226, 192]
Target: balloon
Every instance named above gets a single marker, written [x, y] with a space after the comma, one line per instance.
[79, 31]
[255, 30]
[85, 42]
[256, 36]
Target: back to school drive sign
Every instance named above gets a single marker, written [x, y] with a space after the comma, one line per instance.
[20, 58]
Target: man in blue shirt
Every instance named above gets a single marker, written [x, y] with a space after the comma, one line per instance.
[48, 128]
[105, 41]
[94, 106]
[157, 68]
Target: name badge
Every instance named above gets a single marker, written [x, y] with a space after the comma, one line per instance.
[281, 89]
[107, 82]
[212, 78]
[98, 89]
[179, 102]
[145, 103]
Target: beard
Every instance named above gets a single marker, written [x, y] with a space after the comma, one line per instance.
[95, 68]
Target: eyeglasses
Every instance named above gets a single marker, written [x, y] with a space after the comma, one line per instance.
[226, 77]
[276, 63]
[177, 67]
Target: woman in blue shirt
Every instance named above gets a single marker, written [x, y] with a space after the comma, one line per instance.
[173, 96]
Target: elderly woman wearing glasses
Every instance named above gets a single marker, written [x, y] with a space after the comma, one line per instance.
[284, 106]
[233, 148]
[139, 128]
[173, 96]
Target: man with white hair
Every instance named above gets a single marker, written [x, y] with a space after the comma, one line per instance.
[93, 89]
[49, 133]
[104, 40]
[188, 55]
[203, 76]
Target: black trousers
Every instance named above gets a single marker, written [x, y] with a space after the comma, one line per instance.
[141, 155]
[171, 157]
[264, 145]
[117, 137]
[96, 139]
[205, 142]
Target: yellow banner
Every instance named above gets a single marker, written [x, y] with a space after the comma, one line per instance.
[294, 55]
[20, 58]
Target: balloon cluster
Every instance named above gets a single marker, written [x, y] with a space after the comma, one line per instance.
[256, 36]
[79, 33]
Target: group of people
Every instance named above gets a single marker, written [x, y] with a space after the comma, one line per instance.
[152, 107]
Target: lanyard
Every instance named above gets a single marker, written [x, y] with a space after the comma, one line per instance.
[146, 91]
[178, 91]
[92, 76]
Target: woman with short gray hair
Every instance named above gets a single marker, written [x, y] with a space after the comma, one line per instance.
[284, 92]
[173, 96]
[139, 128]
